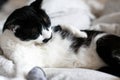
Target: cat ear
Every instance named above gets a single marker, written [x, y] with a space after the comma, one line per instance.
[36, 4]
[8, 25]
[12, 28]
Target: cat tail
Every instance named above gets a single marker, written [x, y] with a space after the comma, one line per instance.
[113, 69]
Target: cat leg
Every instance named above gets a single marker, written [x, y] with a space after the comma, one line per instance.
[76, 32]
[7, 68]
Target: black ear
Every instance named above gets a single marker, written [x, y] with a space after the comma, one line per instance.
[36, 4]
[9, 25]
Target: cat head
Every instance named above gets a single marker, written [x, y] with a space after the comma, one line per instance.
[30, 23]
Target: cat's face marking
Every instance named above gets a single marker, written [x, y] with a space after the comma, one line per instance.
[45, 36]
[30, 23]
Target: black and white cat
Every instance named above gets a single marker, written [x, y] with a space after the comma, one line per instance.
[28, 40]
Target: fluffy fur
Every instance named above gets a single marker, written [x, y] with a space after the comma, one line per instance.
[28, 40]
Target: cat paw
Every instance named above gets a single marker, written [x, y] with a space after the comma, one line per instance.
[76, 32]
[81, 34]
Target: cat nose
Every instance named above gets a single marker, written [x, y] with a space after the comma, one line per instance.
[47, 39]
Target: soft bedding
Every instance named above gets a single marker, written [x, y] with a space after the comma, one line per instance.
[77, 74]
[84, 20]
[109, 21]
[76, 14]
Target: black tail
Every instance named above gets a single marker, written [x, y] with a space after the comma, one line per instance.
[111, 70]
[108, 48]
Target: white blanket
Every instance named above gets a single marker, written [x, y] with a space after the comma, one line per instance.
[77, 74]
[110, 19]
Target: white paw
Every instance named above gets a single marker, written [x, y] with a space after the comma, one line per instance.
[76, 32]
[81, 34]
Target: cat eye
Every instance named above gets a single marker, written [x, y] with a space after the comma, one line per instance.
[47, 29]
[35, 35]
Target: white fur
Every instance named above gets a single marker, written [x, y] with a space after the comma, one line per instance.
[46, 34]
[55, 53]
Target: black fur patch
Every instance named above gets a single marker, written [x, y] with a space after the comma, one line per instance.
[57, 28]
[65, 34]
[108, 48]
[37, 4]
[76, 43]
[111, 70]
[91, 35]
